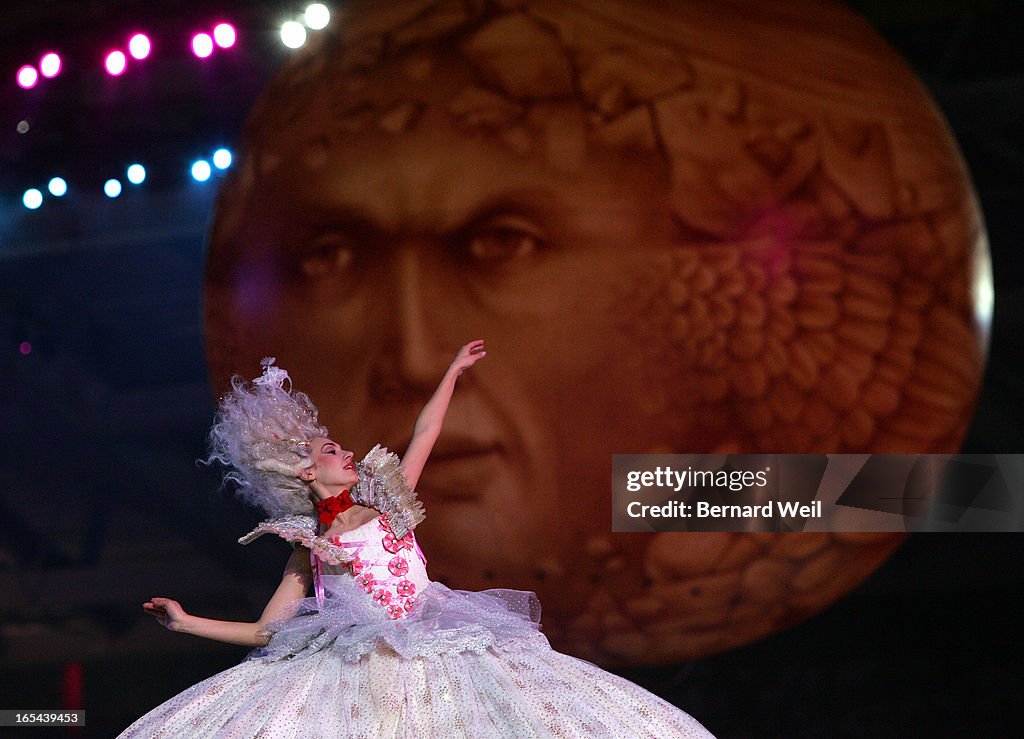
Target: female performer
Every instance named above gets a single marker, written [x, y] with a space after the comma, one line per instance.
[379, 650]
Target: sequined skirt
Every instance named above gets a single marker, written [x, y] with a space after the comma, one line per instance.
[459, 664]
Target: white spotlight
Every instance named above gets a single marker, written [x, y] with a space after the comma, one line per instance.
[317, 16]
[57, 187]
[222, 159]
[112, 188]
[293, 34]
[136, 174]
[201, 170]
[32, 198]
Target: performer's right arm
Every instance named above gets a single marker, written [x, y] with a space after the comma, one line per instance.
[294, 585]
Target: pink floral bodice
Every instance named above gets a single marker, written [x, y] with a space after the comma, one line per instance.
[389, 569]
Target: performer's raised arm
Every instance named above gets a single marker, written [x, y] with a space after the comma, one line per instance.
[431, 418]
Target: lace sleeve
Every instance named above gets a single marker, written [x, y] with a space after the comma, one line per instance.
[382, 485]
[301, 530]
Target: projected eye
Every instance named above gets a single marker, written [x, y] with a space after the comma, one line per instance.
[327, 254]
[504, 240]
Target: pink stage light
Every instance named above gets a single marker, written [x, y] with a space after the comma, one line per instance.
[139, 46]
[50, 65]
[28, 77]
[115, 63]
[224, 34]
[25, 348]
[202, 45]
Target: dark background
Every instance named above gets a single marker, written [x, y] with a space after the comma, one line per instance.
[101, 503]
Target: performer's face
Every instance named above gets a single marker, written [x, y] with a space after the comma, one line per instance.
[396, 250]
[332, 465]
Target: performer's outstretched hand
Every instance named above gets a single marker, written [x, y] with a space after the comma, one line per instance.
[168, 612]
[467, 356]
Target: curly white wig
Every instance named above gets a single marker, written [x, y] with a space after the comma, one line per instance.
[261, 434]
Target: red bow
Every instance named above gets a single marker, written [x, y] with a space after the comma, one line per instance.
[329, 508]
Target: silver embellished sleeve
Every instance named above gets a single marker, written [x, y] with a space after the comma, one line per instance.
[382, 483]
[303, 530]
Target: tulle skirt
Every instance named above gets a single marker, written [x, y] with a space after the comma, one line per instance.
[442, 621]
[460, 664]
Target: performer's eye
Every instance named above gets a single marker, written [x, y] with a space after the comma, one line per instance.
[327, 254]
[503, 240]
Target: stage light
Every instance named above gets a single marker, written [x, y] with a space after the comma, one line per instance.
[224, 34]
[25, 348]
[317, 16]
[49, 65]
[202, 45]
[57, 187]
[116, 63]
[112, 188]
[293, 34]
[201, 170]
[28, 77]
[136, 174]
[32, 198]
[23, 126]
[139, 46]
[222, 159]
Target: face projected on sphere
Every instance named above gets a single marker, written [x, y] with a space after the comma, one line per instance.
[381, 255]
[670, 241]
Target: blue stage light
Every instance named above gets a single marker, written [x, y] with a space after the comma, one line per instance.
[112, 188]
[57, 187]
[222, 159]
[201, 170]
[136, 174]
[32, 198]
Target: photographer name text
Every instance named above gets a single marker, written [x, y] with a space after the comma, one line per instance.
[702, 509]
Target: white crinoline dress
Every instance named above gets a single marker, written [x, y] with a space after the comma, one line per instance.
[382, 651]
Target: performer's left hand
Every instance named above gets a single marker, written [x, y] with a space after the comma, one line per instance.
[467, 356]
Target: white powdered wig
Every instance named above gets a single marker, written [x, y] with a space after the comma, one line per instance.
[261, 434]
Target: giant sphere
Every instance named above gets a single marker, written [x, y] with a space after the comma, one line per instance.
[699, 227]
